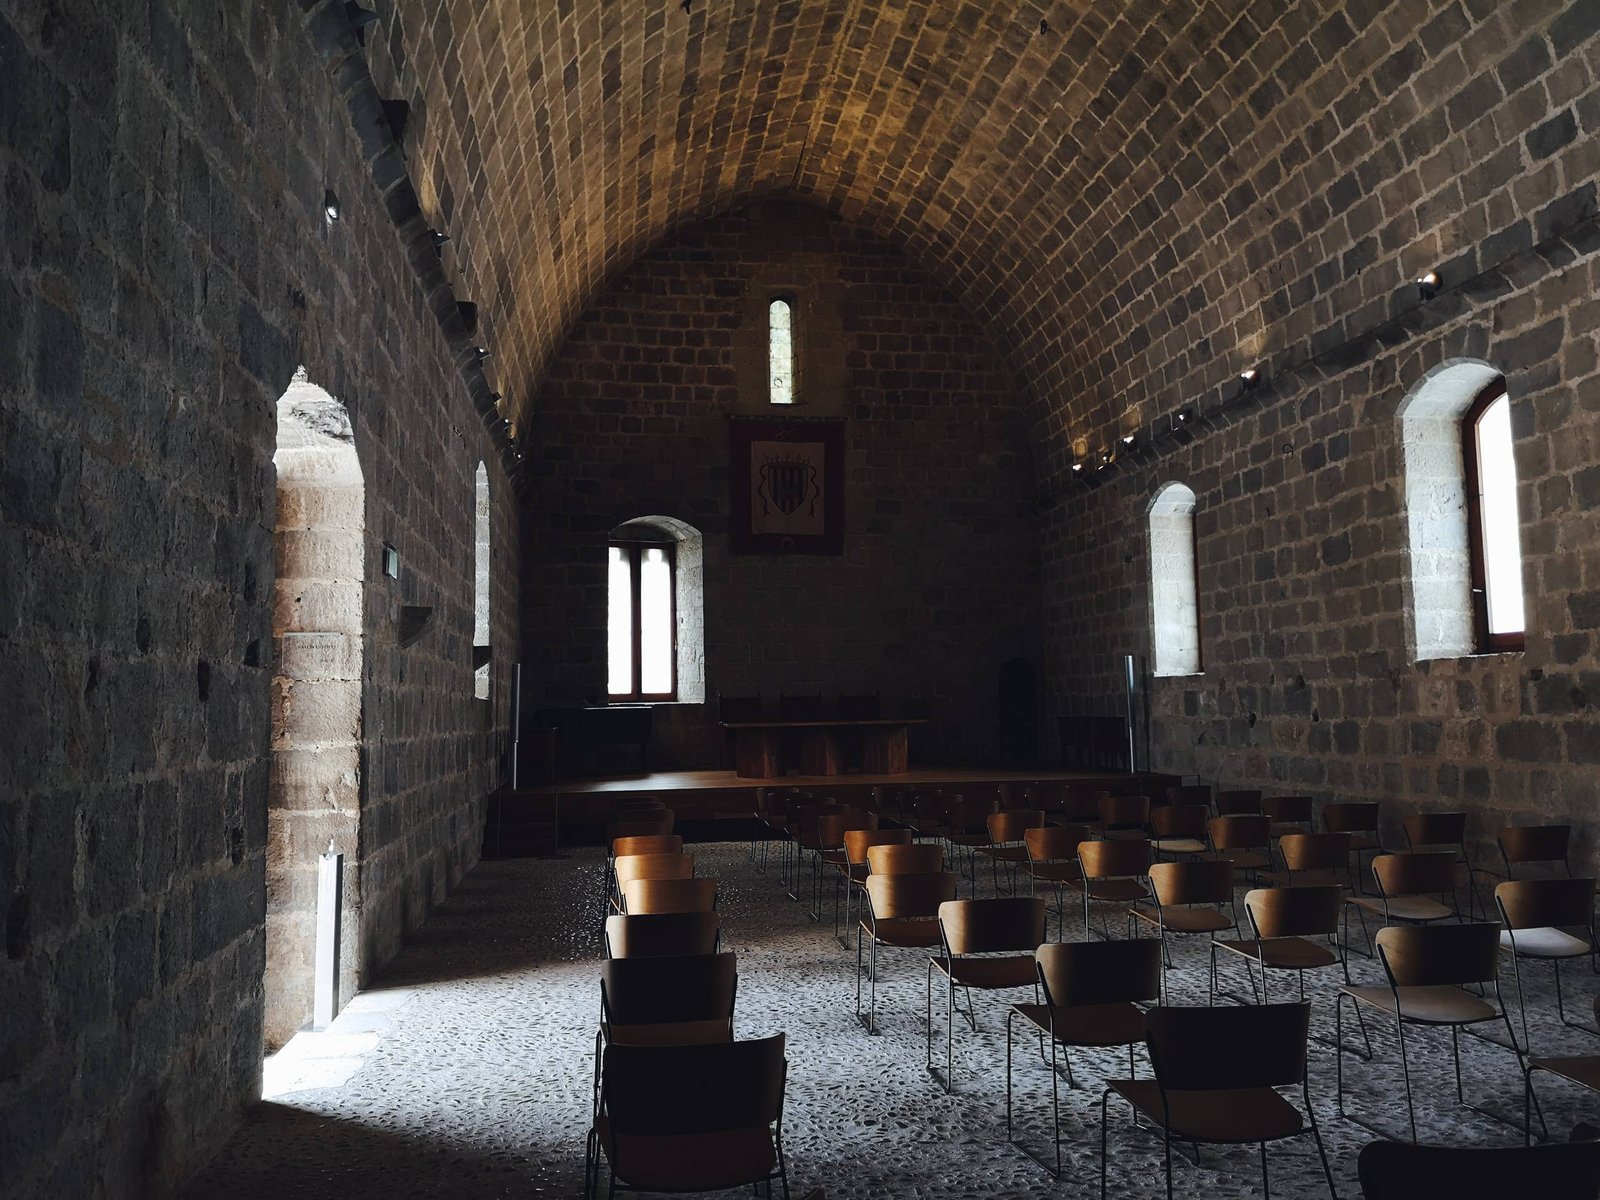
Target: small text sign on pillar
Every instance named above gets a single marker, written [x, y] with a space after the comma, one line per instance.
[330, 894]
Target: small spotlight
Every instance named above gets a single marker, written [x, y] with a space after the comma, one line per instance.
[1249, 377]
[1078, 466]
[481, 351]
[1183, 416]
[1107, 457]
[439, 239]
[1128, 439]
[330, 205]
[1428, 285]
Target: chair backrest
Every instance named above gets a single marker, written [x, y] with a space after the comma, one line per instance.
[1077, 973]
[1113, 859]
[653, 866]
[686, 1090]
[858, 841]
[969, 814]
[1287, 810]
[669, 895]
[1124, 812]
[1351, 816]
[1522, 844]
[1435, 955]
[1404, 1171]
[1229, 1046]
[1237, 802]
[1010, 825]
[1054, 843]
[914, 858]
[1304, 910]
[1047, 794]
[898, 896]
[646, 826]
[1434, 829]
[931, 807]
[1003, 923]
[831, 827]
[662, 990]
[1415, 872]
[1537, 903]
[1204, 881]
[646, 935]
[649, 843]
[1315, 851]
[1190, 793]
[1180, 821]
[1240, 831]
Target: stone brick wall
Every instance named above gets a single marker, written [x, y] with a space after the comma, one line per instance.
[937, 585]
[165, 269]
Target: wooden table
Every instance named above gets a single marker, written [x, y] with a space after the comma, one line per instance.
[759, 746]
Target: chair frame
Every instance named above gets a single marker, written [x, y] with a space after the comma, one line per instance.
[868, 925]
[1584, 887]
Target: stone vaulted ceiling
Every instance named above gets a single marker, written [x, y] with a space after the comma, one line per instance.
[1134, 196]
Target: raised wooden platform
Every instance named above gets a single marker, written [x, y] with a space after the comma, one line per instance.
[714, 795]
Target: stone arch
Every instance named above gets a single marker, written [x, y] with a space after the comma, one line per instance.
[318, 614]
[483, 552]
[689, 581]
[1174, 584]
[1439, 582]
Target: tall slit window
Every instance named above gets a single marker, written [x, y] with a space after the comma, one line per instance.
[1174, 582]
[1491, 485]
[642, 622]
[780, 351]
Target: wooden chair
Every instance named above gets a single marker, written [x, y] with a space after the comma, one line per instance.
[909, 858]
[1537, 914]
[1311, 858]
[1443, 831]
[1238, 802]
[1125, 818]
[1401, 1171]
[643, 896]
[1244, 839]
[1094, 997]
[1407, 884]
[966, 829]
[1429, 969]
[662, 934]
[902, 911]
[1288, 814]
[1189, 898]
[627, 846]
[1007, 830]
[689, 1118]
[1081, 806]
[853, 871]
[1190, 793]
[1583, 1070]
[988, 945]
[1360, 820]
[831, 830]
[1218, 1072]
[679, 1000]
[1053, 860]
[1179, 829]
[1112, 872]
[648, 866]
[1527, 846]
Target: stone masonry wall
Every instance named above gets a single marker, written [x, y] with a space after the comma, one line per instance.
[937, 585]
[165, 269]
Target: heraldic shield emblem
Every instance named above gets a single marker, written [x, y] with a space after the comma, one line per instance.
[788, 487]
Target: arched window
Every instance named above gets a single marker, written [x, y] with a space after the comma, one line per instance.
[1490, 469]
[1174, 584]
[480, 590]
[780, 351]
[655, 628]
[1461, 513]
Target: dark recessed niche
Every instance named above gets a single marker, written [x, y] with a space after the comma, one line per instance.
[141, 634]
[19, 926]
[202, 679]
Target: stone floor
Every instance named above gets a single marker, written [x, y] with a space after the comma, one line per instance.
[477, 1083]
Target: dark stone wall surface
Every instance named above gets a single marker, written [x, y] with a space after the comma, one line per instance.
[937, 585]
[164, 269]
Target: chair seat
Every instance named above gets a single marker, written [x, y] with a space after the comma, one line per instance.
[671, 1033]
[1181, 919]
[836, 857]
[1583, 1070]
[1245, 860]
[1113, 890]
[1178, 845]
[1403, 908]
[1287, 953]
[905, 931]
[1442, 1005]
[1087, 1024]
[1278, 828]
[1055, 872]
[1012, 971]
[689, 1162]
[1319, 877]
[1235, 1115]
[1544, 943]
[1363, 841]
[978, 841]
[1125, 835]
[1006, 853]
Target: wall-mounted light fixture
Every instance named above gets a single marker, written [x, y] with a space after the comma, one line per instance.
[439, 239]
[330, 205]
[481, 351]
[1107, 457]
[1129, 440]
[1183, 416]
[1249, 377]
[1428, 285]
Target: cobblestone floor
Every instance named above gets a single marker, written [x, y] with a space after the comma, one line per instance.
[478, 1084]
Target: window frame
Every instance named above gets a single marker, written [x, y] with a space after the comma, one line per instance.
[634, 549]
[1485, 641]
[792, 302]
